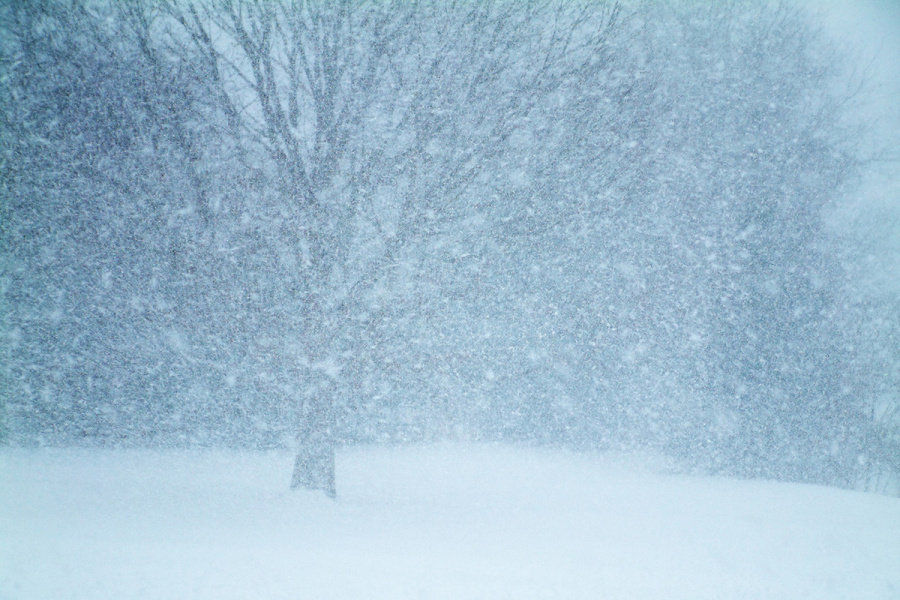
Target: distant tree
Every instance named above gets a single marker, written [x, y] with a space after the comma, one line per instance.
[767, 155]
[871, 325]
[109, 214]
[670, 242]
[707, 309]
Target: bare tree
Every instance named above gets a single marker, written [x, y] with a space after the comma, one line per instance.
[371, 120]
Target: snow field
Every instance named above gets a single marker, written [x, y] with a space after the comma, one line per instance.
[454, 522]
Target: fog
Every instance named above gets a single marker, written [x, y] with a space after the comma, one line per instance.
[870, 31]
[639, 227]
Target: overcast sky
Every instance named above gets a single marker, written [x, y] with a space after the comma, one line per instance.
[872, 216]
[872, 27]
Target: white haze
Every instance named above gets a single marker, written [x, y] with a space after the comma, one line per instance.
[543, 393]
[870, 218]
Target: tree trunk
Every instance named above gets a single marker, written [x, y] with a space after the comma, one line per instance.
[314, 467]
[314, 463]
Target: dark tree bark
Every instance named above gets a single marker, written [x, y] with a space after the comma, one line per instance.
[314, 467]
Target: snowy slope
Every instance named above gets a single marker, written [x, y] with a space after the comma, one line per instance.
[439, 522]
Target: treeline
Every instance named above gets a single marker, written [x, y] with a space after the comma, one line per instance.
[596, 225]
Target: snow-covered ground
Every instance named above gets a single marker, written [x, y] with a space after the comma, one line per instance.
[449, 522]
